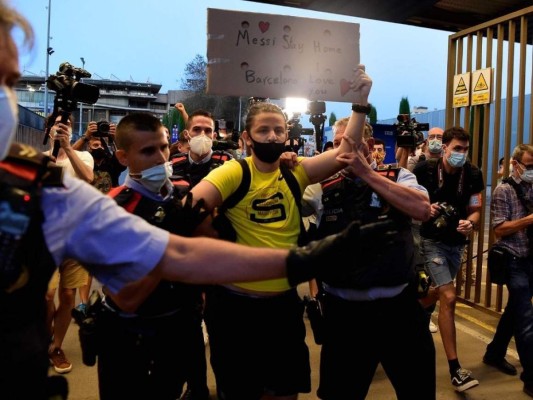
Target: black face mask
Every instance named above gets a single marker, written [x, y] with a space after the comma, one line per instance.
[268, 152]
[99, 153]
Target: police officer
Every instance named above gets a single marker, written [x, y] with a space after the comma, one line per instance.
[380, 296]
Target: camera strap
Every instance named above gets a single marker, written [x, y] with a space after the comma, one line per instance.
[520, 194]
[440, 174]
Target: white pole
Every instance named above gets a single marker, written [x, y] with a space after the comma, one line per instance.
[47, 59]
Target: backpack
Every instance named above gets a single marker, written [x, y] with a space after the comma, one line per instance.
[222, 224]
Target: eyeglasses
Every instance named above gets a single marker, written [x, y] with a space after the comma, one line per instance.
[527, 167]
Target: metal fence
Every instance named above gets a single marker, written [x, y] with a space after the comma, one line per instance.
[504, 46]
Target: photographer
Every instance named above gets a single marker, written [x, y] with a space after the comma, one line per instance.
[452, 180]
[98, 139]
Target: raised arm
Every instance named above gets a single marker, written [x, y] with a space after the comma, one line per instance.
[326, 164]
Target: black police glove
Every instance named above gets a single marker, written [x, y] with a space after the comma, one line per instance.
[341, 256]
[190, 216]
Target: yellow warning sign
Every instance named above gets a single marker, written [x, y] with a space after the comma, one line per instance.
[461, 87]
[461, 90]
[481, 92]
[481, 84]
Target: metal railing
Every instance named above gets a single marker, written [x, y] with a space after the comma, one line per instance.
[503, 46]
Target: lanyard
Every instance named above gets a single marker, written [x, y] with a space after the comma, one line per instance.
[440, 172]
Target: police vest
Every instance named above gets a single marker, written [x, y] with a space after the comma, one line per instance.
[168, 296]
[344, 200]
[26, 265]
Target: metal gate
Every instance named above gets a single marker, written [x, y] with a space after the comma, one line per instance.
[504, 46]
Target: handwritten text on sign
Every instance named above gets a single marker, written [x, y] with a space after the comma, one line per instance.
[277, 56]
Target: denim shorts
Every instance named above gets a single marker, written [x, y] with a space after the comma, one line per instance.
[442, 261]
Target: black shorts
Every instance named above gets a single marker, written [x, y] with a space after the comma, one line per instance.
[257, 344]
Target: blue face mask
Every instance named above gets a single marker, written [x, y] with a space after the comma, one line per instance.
[435, 146]
[155, 178]
[527, 176]
[456, 159]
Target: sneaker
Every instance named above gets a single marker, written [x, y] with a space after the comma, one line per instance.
[432, 327]
[59, 361]
[462, 380]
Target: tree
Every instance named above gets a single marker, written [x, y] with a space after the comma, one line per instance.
[373, 116]
[404, 106]
[195, 75]
[332, 119]
[195, 81]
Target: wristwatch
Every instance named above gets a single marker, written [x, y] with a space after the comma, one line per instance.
[361, 109]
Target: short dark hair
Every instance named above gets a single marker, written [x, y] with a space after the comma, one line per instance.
[141, 121]
[455, 132]
[202, 113]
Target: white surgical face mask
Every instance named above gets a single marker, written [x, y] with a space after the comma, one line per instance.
[9, 120]
[527, 176]
[457, 159]
[435, 146]
[201, 144]
[155, 178]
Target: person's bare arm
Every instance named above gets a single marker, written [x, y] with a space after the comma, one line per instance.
[205, 261]
[181, 108]
[410, 201]
[509, 227]
[326, 164]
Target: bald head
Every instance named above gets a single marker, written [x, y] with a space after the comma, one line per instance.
[435, 133]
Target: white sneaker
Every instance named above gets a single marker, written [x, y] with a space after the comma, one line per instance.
[432, 327]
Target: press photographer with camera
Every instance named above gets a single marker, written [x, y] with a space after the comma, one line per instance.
[99, 141]
[70, 275]
[455, 188]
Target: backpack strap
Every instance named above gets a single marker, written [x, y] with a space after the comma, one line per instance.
[297, 194]
[519, 193]
[241, 191]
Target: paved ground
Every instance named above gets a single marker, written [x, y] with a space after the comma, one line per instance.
[474, 331]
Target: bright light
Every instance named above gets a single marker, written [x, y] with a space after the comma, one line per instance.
[295, 105]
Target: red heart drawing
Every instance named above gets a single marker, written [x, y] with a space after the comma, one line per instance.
[264, 26]
[345, 86]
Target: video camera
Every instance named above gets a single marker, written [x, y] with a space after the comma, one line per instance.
[295, 128]
[409, 132]
[69, 91]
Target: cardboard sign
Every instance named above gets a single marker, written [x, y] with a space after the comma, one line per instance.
[277, 56]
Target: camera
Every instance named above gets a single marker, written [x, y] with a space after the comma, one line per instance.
[69, 91]
[448, 216]
[102, 129]
[409, 132]
[316, 107]
[295, 128]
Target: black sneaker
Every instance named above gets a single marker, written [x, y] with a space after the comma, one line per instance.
[462, 380]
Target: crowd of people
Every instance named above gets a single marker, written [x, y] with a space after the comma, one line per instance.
[171, 211]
